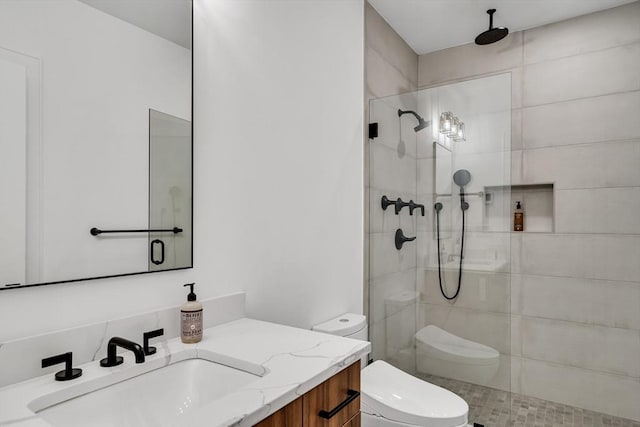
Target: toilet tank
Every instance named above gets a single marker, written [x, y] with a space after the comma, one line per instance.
[348, 325]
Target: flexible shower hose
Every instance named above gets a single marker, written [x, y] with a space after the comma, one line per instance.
[444, 294]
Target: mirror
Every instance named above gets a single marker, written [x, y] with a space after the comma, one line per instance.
[95, 139]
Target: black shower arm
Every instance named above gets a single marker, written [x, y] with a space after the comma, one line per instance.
[400, 113]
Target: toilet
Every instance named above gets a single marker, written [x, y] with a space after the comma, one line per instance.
[390, 397]
[441, 353]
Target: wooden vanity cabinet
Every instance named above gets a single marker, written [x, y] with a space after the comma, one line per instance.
[334, 403]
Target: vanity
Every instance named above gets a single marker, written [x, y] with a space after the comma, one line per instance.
[244, 372]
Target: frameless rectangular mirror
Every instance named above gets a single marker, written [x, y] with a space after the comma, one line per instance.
[95, 139]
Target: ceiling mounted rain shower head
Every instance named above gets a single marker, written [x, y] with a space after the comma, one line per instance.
[422, 123]
[492, 35]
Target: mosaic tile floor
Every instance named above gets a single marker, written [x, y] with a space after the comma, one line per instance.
[492, 408]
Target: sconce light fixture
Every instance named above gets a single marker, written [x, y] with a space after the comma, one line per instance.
[452, 127]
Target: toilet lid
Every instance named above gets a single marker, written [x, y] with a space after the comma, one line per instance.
[446, 346]
[398, 396]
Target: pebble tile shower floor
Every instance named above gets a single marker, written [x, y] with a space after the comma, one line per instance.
[492, 408]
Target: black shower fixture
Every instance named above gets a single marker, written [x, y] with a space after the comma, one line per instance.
[422, 123]
[492, 35]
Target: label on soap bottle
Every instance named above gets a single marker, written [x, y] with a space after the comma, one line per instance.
[191, 325]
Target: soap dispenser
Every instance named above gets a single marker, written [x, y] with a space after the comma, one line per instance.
[518, 218]
[191, 318]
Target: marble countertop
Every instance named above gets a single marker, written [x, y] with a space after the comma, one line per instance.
[288, 362]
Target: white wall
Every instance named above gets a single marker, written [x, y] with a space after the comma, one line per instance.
[278, 174]
[282, 137]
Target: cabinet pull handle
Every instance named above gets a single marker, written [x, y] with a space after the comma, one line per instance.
[351, 396]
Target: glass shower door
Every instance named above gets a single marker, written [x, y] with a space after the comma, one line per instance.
[446, 324]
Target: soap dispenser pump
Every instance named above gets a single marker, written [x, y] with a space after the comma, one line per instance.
[518, 218]
[191, 318]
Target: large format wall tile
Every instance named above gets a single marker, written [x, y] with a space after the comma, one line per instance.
[607, 257]
[383, 39]
[479, 290]
[392, 172]
[598, 210]
[609, 28]
[386, 259]
[601, 118]
[613, 164]
[384, 287]
[594, 302]
[383, 79]
[612, 394]
[581, 76]
[572, 344]
[467, 60]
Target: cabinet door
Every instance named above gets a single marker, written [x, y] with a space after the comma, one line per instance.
[353, 422]
[289, 416]
[334, 402]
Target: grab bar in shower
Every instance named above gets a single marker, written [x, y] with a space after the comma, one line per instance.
[96, 231]
[479, 194]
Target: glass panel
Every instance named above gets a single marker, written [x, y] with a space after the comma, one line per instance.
[446, 324]
[169, 191]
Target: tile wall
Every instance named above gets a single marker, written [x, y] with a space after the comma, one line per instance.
[391, 69]
[575, 292]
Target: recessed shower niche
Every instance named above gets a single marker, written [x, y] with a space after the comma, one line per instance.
[536, 201]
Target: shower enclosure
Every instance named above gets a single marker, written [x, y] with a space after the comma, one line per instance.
[439, 304]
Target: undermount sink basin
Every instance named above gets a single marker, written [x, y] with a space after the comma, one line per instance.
[160, 398]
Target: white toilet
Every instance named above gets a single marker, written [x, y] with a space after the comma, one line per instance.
[441, 353]
[392, 398]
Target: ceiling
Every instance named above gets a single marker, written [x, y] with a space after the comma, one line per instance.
[169, 19]
[430, 25]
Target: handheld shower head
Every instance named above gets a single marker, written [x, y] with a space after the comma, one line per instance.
[422, 123]
[462, 177]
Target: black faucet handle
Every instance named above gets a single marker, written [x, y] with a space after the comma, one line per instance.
[147, 336]
[399, 204]
[69, 371]
[413, 206]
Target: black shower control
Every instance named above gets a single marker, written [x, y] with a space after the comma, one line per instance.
[401, 239]
[413, 206]
[398, 204]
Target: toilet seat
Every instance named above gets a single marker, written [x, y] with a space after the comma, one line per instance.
[395, 395]
[440, 344]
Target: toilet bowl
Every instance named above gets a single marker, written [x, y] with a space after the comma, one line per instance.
[392, 398]
[441, 353]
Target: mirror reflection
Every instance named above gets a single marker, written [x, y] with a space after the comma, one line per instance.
[95, 132]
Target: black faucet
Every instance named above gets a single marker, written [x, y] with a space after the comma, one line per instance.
[113, 360]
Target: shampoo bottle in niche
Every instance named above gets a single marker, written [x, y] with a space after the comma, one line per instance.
[518, 218]
[191, 318]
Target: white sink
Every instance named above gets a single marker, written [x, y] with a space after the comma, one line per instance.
[159, 398]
